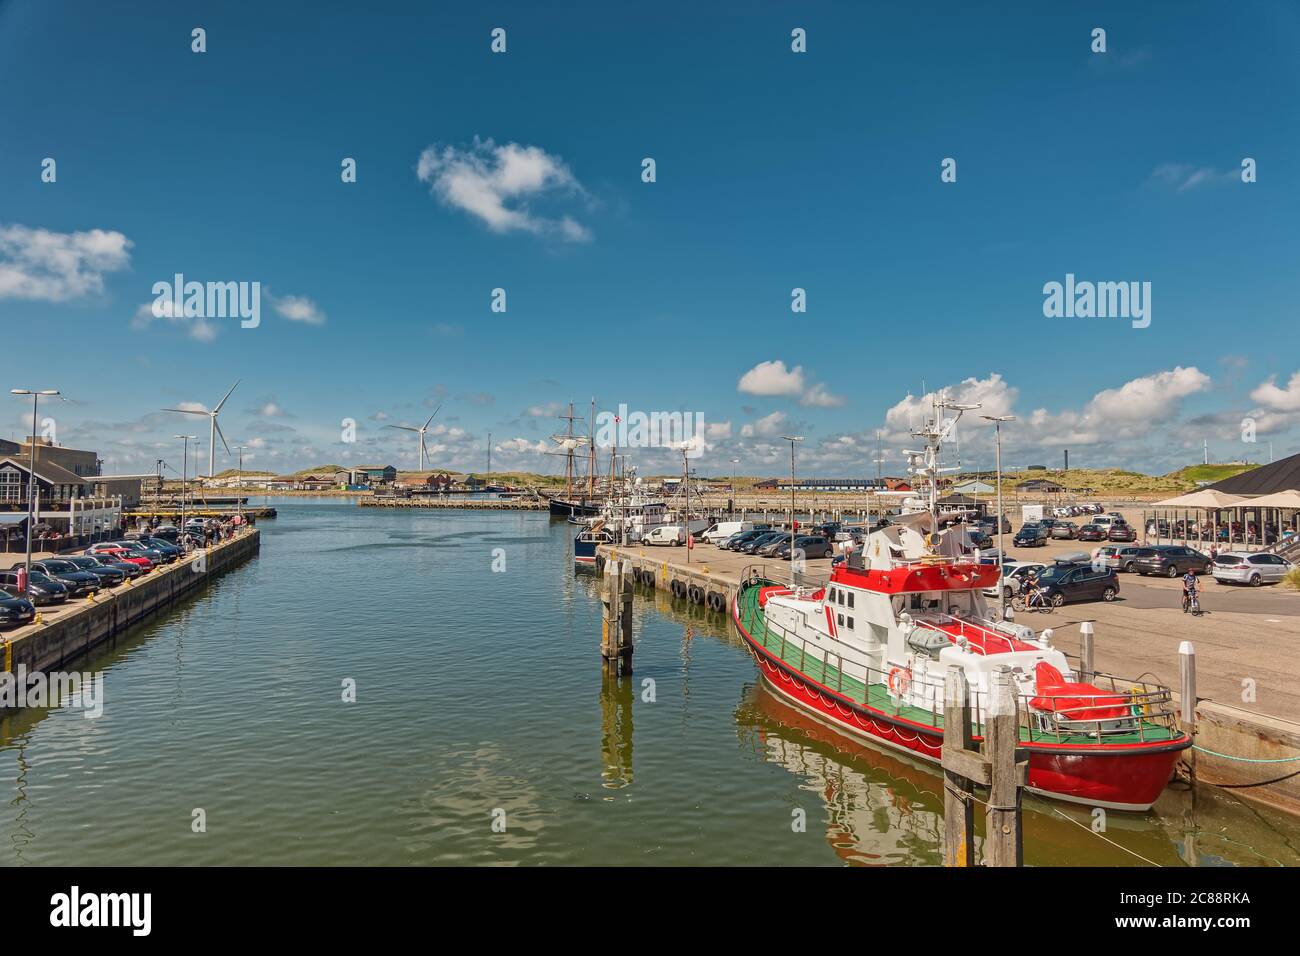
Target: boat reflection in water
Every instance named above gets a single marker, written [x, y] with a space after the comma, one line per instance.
[879, 809]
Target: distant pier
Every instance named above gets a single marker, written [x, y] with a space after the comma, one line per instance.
[458, 504]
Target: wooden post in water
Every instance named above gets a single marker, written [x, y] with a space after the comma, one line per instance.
[1003, 839]
[616, 617]
[958, 787]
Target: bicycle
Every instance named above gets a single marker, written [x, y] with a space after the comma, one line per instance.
[1192, 603]
[1034, 600]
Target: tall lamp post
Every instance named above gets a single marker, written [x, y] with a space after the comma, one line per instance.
[997, 421]
[31, 474]
[792, 439]
[734, 463]
[239, 493]
[185, 478]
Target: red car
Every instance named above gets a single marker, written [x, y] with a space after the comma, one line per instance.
[120, 554]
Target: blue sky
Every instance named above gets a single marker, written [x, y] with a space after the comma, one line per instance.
[775, 170]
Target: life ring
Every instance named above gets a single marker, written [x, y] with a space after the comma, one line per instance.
[899, 681]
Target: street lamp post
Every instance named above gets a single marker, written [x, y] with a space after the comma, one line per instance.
[31, 475]
[239, 491]
[734, 463]
[997, 421]
[185, 462]
[792, 439]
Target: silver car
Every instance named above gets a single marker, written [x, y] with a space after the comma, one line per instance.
[1241, 567]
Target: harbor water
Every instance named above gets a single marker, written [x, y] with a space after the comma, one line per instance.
[484, 731]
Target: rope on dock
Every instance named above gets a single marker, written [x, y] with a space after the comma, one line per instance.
[1215, 753]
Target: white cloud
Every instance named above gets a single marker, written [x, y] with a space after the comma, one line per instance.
[769, 426]
[549, 410]
[298, 308]
[494, 184]
[1149, 399]
[993, 394]
[1271, 395]
[717, 431]
[1185, 176]
[270, 410]
[521, 446]
[819, 397]
[772, 378]
[47, 266]
[199, 329]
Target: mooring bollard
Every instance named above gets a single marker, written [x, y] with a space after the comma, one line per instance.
[616, 619]
[1085, 651]
[1187, 691]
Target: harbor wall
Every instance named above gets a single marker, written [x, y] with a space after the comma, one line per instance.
[53, 644]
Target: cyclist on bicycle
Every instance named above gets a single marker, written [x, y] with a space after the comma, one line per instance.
[1190, 587]
[1030, 590]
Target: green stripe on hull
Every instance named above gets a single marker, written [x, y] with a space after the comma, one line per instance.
[877, 697]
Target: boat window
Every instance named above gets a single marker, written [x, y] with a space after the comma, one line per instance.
[839, 619]
[839, 597]
[850, 620]
[850, 599]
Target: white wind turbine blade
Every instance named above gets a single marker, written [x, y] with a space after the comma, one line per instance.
[217, 410]
[187, 411]
[217, 425]
[407, 428]
[435, 412]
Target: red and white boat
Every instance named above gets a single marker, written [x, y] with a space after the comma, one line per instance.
[868, 653]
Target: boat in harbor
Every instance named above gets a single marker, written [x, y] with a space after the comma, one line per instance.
[868, 652]
[587, 541]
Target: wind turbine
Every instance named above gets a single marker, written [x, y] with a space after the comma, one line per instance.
[213, 428]
[419, 431]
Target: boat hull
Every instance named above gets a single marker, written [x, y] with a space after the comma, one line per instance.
[561, 508]
[1123, 777]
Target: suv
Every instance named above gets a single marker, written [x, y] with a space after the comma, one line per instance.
[1064, 583]
[1031, 536]
[1239, 567]
[1118, 558]
[1171, 560]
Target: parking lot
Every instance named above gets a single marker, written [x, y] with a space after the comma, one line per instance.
[1245, 634]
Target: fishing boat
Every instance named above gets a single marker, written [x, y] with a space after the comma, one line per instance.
[868, 652]
[587, 541]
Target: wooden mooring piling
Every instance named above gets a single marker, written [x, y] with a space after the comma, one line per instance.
[616, 617]
[1001, 765]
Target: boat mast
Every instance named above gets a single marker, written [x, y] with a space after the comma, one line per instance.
[591, 451]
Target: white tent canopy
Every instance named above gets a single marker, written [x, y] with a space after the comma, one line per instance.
[1281, 499]
[1205, 498]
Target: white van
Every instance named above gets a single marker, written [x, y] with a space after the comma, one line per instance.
[671, 534]
[1107, 521]
[725, 529]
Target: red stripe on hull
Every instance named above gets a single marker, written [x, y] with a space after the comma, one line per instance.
[1124, 777]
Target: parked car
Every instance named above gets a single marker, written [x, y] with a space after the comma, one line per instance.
[1121, 532]
[1013, 575]
[812, 546]
[154, 543]
[111, 577]
[1171, 560]
[1031, 536]
[669, 534]
[723, 530]
[770, 547]
[15, 611]
[1120, 559]
[79, 583]
[1241, 567]
[42, 590]
[1065, 530]
[734, 542]
[766, 538]
[119, 553]
[153, 554]
[132, 571]
[1107, 521]
[1065, 583]
[1092, 532]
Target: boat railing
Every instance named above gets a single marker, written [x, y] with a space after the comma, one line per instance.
[1062, 718]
